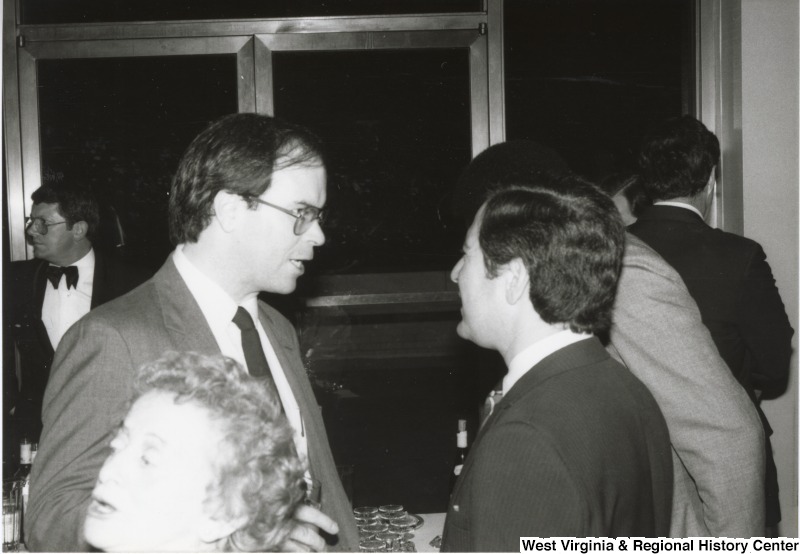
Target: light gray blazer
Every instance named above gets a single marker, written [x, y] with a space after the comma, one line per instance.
[717, 438]
[89, 391]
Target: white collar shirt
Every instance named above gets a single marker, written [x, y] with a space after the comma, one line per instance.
[63, 306]
[536, 352]
[218, 309]
[679, 205]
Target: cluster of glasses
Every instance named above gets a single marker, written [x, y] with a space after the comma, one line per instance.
[386, 528]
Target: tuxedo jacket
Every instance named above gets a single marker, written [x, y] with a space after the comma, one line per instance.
[717, 437]
[90, 388]
[577, 448]
[24, 292]
[729, 278]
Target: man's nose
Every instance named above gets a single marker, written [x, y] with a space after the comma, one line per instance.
[456, 270]
[315, 234]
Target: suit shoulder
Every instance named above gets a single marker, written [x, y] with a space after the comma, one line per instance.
[23, 269]
[140, 303]
[734, 242]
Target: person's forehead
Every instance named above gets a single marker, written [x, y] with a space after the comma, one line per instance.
[302, 184]
[475, 228]
[45, 210]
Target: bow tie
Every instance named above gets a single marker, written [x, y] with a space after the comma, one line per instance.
[54, 273]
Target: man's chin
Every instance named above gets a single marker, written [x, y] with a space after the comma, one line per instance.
[463, 331]
[281, 288]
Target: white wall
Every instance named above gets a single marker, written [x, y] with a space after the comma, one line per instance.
[771, 175]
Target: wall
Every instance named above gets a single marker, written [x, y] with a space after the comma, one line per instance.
[770, 75]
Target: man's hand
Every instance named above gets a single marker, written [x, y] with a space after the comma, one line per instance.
[305, 536]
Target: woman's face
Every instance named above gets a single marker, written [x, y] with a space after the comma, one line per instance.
[152, 490]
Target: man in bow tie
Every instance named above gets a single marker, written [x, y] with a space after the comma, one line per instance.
[46, 295]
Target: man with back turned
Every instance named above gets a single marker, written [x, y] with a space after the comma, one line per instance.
[726, 274]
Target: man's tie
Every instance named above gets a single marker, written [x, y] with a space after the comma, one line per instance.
[491, 401]
[253, 352]
[54, 273]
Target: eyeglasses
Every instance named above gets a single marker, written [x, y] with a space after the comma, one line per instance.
[304, 217]
[39, 225]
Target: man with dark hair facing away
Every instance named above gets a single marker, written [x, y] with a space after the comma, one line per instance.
[576, 446]
[726, 274]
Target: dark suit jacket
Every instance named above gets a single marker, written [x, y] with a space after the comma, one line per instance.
[89, 391]
[24, 292]
[577, 448]
[729, 278]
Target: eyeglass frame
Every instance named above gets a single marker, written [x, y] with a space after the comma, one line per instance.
[301, 225]
[40, 228]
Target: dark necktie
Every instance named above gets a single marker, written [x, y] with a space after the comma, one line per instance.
[253, 352]
[54, 273]
[489, 404]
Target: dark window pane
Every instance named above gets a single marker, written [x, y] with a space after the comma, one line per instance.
[587, 77]
[92, 11]
[397, 128]
[121, 125]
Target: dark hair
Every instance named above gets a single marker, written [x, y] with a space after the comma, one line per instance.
[570, 237]
[259, 473]
[677, 157]
[499, 165]
[75, 203]
[237, 153]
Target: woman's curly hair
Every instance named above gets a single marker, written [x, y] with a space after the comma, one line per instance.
[259, 475]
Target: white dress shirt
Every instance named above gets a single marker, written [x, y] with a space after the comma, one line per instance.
[63, 306]
[218, 309]
[536, 352]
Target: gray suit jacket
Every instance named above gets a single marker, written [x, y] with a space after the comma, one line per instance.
[717, 438]
[90, 389]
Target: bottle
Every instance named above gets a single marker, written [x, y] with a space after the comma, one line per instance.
[23, 474]
[461, 452]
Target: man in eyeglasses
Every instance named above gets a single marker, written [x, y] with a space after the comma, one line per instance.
[45, 296]
[244, 213]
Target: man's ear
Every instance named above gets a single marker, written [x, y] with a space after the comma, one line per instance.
[227, 208]
[79, 230]
[517, 280]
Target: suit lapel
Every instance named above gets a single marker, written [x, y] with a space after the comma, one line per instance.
[585, 352]
[183, 318]
[101, 281]
[286, 351]
[39, 287]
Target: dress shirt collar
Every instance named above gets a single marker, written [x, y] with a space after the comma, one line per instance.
[679, 205]
[216, 304]
[536, 352]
